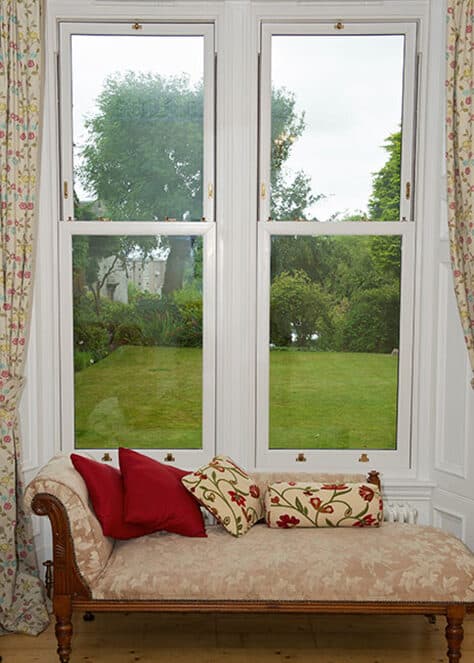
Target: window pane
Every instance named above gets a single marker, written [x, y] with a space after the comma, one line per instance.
[137, 316]
[336, 127]
[334, 338]
[138, 127]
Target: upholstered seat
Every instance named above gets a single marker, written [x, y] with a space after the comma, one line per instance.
[407, 569]
[396, 562]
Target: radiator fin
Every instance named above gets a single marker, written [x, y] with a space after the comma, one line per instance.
[400, 513]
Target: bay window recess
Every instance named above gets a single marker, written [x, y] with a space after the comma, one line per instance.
[335, 242]
[336, 239]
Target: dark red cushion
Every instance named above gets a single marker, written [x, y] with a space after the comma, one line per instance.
[155, 496]
[105, 487]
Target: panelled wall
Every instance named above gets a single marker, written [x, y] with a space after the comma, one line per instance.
[453, 472]
[441, 480]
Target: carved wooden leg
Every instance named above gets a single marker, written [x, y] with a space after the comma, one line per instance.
[454, 632]
[63, 612]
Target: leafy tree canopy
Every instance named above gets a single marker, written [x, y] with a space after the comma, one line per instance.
[384, 202]
[143, 158]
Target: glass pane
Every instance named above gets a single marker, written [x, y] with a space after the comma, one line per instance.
[138, 127]
[137, 315]
[334, 338]
[336, 127]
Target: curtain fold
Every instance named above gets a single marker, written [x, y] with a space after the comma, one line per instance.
[22, 601]
[460, 159]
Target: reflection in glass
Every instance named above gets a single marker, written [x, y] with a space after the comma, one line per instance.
[137, 341]
[334, 339]
[138, 127]
[336, 122]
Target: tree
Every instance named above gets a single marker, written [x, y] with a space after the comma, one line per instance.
[384, 205]
[372, 321]
[384, 202]
[96, 257]
[359, 276]
[144, 156]
[299, 309]
[290, 198]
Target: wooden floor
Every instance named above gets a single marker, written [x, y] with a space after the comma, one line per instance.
[153, 638]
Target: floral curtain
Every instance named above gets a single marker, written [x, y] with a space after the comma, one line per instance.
[22, 604]
[460, 159]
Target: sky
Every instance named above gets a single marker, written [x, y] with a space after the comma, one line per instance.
[349, 87]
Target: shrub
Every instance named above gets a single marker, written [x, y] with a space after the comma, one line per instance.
[82, 360]
[300, 306]
[372, 321]
[188, 329]
[92, 338]
[128, 334]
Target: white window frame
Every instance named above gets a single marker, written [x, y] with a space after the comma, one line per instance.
[67, 30]
[68, 228]
[409, 92]
[393, 461]
[206, 230]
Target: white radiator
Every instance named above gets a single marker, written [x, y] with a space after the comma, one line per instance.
[400, 513]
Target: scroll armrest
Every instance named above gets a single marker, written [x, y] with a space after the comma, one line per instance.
[66, 576]
[79, 544]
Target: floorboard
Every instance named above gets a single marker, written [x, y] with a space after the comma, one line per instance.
[153, 638]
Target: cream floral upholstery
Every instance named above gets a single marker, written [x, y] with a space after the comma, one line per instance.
[395, 562]
[228, 493]
[313, 504]
[264, 479]
[91, 547]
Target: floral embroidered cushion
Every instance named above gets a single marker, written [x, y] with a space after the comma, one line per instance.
[303, 504]
[228, 493]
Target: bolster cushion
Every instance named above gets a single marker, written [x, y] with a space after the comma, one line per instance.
[302, 504]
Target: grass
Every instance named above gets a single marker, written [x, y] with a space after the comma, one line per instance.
[145, 397]
[332, 400]
[141, 397]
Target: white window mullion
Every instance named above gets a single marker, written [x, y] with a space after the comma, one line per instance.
[408, 124]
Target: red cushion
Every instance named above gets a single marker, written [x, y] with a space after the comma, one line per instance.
[105, 487]
[155, 496]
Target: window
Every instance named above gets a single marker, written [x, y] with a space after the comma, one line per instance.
[137, 238]
[268, 312]
[336, 243]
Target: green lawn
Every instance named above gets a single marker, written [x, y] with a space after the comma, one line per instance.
[141, 397]
[332, 400]
[146, 397]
